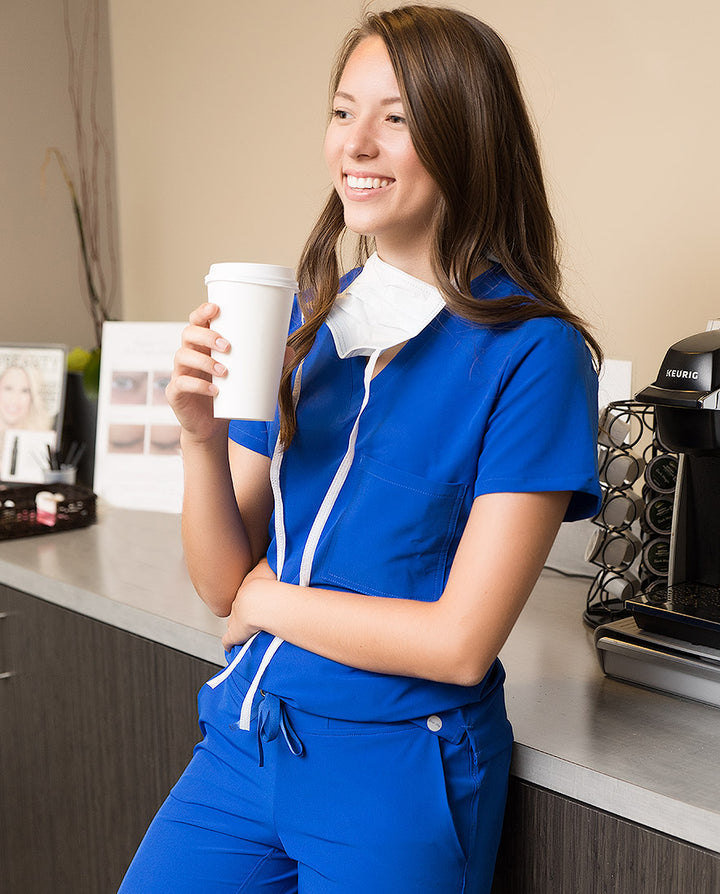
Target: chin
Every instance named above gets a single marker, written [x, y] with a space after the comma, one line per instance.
[356, 229]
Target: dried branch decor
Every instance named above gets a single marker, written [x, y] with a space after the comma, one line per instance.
[91, 191]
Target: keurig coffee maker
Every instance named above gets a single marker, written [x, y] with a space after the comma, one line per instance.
[671, 641]
[685, 396]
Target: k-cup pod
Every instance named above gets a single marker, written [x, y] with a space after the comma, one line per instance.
[255, 302]
[656, 556]
[659, 514]
[612, 550]
[621, 469]
[661, 473]
[618, 586]
[620, 510]
[614, 428]
[655, 589]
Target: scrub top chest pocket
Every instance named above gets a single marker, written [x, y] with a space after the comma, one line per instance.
[394, 534]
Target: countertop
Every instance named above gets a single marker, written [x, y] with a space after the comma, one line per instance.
[647, 756]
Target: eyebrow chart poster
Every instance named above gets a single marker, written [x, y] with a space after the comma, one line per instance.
[137, 450]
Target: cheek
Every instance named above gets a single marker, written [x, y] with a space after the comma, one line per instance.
[332, 152]
[426, 190]
[415, 173]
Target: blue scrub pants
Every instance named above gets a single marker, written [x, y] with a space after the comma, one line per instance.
[301, 803]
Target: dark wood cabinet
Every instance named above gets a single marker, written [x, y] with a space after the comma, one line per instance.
[95, 726]
[554, 845]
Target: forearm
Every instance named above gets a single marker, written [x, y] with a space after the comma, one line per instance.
[385, 635]
[454, 639]
[217, 548]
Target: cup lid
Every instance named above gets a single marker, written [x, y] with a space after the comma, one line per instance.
[264, 274]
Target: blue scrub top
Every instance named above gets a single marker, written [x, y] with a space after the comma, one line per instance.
[462, 410]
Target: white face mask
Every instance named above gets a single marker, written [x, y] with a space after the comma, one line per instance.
[381, 308]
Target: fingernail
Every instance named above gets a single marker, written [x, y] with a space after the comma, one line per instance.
[221, 344]
[219, 369]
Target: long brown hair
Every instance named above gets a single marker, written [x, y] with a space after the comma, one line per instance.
[471, 130]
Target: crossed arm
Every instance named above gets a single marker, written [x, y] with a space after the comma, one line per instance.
[456, 639]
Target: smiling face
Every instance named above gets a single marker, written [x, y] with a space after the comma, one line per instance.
[385, 190]
[15, 397]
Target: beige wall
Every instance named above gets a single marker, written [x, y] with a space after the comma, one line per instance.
[220, 111]
[42, 295]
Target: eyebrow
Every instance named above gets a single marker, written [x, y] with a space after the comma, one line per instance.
[389, 101]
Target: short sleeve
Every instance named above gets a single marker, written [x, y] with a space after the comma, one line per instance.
[542, 432]
[253, 435]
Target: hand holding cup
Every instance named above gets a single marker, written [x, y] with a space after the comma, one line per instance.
[191, 389]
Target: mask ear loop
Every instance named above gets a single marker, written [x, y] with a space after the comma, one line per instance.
[315, 531]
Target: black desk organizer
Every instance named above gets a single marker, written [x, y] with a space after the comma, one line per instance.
[73, 506]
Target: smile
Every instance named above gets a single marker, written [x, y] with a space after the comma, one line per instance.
[365, 182]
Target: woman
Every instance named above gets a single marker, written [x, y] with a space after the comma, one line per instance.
[437, 422]
[20, 402]
[21, 409]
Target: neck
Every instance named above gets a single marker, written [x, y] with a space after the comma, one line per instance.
[416, 262]
[410, 259]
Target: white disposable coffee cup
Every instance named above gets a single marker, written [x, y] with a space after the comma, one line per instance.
[255, 302]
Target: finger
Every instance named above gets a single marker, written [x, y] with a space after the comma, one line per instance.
[202, 315]
[228, 640]
[264, 571]
[204, 339]
[189, 361]
[190, 385]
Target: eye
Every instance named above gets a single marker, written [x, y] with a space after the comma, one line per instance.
[129, 387]
[161, 382]
[125, 383]
[340, 114]
[396, 119]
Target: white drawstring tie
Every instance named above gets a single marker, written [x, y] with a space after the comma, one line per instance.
[313, 539]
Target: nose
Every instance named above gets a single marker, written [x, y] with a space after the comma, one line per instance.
[361, 140]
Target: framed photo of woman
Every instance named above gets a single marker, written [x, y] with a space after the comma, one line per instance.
[32, 399]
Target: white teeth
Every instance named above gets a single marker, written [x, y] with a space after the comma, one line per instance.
[365, 182]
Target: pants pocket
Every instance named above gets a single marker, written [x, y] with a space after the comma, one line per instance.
[475, 770]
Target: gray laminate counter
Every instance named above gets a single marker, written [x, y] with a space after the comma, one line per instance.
[646, 756]
[126, 570]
